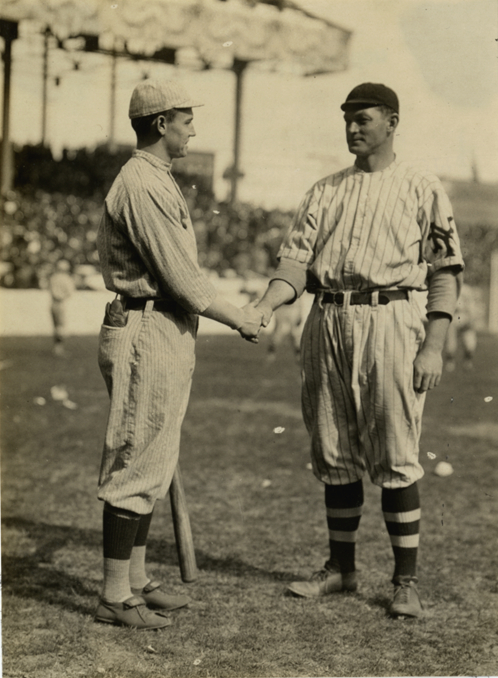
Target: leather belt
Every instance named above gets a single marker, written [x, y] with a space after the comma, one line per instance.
[385, 297]
[139, 303]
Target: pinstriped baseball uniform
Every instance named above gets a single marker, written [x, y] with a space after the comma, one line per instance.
[354, 230]
[147, 249]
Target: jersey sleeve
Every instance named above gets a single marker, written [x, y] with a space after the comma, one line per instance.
[158, 230]
[297, 250]
[440, 242]
[299, 242]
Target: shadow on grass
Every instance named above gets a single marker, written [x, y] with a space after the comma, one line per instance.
[380, 601]
[25, 578]
[36, 576]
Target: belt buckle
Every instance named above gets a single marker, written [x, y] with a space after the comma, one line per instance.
[338, 298]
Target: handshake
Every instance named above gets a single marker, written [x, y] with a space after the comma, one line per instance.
[255, 315]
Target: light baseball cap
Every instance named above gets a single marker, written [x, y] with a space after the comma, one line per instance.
[155, 96]
[374, 94]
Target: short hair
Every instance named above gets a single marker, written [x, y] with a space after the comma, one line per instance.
[387, 110]
[142, 125]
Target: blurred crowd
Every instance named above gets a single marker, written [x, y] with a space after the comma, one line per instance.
[39, 229]
[44, 226]
[55, 210]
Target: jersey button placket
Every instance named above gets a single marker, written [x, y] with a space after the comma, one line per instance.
[350, 275]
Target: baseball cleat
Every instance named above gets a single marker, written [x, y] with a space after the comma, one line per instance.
[158, 600]
[323, 583]
[406, 599]
[133, 612]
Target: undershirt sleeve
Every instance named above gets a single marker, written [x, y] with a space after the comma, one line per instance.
[444, 289]
[292, 272]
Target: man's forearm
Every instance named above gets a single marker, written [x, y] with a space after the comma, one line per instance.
[224, 312]
[278, 293]
[437, 328]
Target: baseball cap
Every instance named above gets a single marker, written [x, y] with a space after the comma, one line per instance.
[154, 96]
[374, 94]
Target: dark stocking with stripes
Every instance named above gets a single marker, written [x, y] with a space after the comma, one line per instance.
[401, 508]
[344, 505]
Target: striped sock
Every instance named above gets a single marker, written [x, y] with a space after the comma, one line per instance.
[138, 576]
[119, 530]
[401, 510]
[344, 507]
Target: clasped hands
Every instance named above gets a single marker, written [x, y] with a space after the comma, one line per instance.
[256, 315]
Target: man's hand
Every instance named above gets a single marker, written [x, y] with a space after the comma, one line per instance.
[428, 365]
[267, 311]
[427, 369]
[251, 322]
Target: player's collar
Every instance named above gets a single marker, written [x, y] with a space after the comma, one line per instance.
[389, 168]
[153, 159]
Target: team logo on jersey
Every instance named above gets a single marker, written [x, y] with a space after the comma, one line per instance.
[442, 238]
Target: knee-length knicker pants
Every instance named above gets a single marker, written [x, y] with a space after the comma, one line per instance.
[147, 366]
[359, 403]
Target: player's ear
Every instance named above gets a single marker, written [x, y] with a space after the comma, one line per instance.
[393, 121]
[160, 124]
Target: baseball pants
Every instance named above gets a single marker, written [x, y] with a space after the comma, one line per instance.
[147, 366]
[359, 403]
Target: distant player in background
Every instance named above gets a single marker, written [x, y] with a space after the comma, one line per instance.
[288, 324]
[462, 332]
[61, 287]
[364, 241]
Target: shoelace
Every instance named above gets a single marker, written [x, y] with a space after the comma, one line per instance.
[402, 593]
[321, 575]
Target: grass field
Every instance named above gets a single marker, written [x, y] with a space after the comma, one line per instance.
[258, 522]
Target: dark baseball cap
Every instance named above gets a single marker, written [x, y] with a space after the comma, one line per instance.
[373, 94]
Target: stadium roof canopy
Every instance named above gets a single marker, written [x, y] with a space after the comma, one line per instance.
[226, 34]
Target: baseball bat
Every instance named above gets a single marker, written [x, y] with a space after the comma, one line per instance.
[181, 524]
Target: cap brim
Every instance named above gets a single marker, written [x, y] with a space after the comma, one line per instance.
[359, 102]
[188, 104]
[183, 104]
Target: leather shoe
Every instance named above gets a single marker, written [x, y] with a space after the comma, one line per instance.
[132, 612]
[324, 582]
[158, 600]
[406, 599]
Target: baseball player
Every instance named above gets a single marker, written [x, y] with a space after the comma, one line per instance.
[363, 240]
[148, 253]
[61, 287]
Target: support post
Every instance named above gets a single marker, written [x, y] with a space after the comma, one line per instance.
[8, 31]
[46, 37]
[238, 68]
[112, 108]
